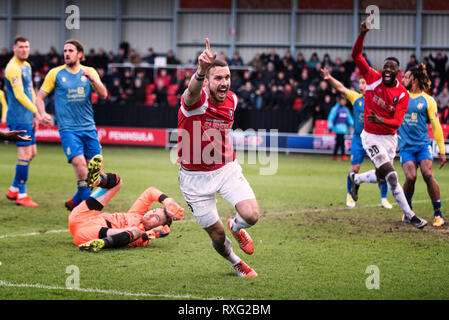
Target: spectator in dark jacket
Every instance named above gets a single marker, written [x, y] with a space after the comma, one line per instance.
[247, 96]
[439, 63]
[161, 94]
[262, 97]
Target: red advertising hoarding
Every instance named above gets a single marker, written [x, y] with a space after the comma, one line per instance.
[111, 135]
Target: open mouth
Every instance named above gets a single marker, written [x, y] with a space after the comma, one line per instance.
[387, 76]
[222, 92]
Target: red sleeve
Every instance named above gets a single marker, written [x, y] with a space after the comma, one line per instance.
[366, 71]
[401, 109]
[198, 104]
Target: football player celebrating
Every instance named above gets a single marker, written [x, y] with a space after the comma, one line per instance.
[357, 152]
[386, 102]
[208, 164]
[414, 142]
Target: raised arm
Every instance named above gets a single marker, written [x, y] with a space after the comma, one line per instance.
[145, 200]
[334, 82]
[153, 194]
[193, 92]
[365, 70]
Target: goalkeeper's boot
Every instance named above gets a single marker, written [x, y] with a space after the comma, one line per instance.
[243, 270]
[92, 246]
[93, 171]
[385, 203]
[354, 187]
[349, 201]
[243, 238]
[438, 221]
[415, 221]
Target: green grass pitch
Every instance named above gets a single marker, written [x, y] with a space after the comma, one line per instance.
[308, 245]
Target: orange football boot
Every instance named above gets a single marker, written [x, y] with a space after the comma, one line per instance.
[243, 270]
[12, 195]
[243, 238]
[26, 202]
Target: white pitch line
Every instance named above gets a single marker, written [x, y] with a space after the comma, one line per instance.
[32, 233]
[324, 209]
[110, 292]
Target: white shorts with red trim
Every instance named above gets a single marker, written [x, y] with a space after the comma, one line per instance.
[380, 148]
[199, 188]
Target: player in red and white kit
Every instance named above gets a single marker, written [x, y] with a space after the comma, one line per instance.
[208, 164]
[386, 101]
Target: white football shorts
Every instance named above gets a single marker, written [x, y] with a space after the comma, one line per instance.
[380, 148]
[199, 188]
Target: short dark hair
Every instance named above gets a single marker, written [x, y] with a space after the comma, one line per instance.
[393, 59]
[20, 39]
[217, 63]
[169, 219]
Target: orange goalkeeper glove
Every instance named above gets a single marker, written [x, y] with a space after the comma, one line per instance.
[174, 210]
[159, 232]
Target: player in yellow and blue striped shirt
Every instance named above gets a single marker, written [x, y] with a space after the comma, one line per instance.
[22, 114]
[72, 84]
[414, 141]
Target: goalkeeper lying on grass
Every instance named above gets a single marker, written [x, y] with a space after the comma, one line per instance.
[94, 231]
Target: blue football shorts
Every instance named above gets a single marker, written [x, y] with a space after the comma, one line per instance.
[357, 151]
[29, 132]
[416, 154]
[75, 143]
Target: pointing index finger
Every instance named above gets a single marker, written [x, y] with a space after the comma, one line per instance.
[207, 44]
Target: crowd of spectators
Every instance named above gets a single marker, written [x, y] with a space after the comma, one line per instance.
[268, 81]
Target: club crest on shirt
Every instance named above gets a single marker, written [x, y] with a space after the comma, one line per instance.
[395, 100]
[83, 78]
[14, 81]
[63, 79]
[420, 105]
[231, 113]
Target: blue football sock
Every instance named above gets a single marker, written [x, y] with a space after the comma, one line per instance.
[437, 208]
[21, 176]
[82, 194]
[383, 190]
